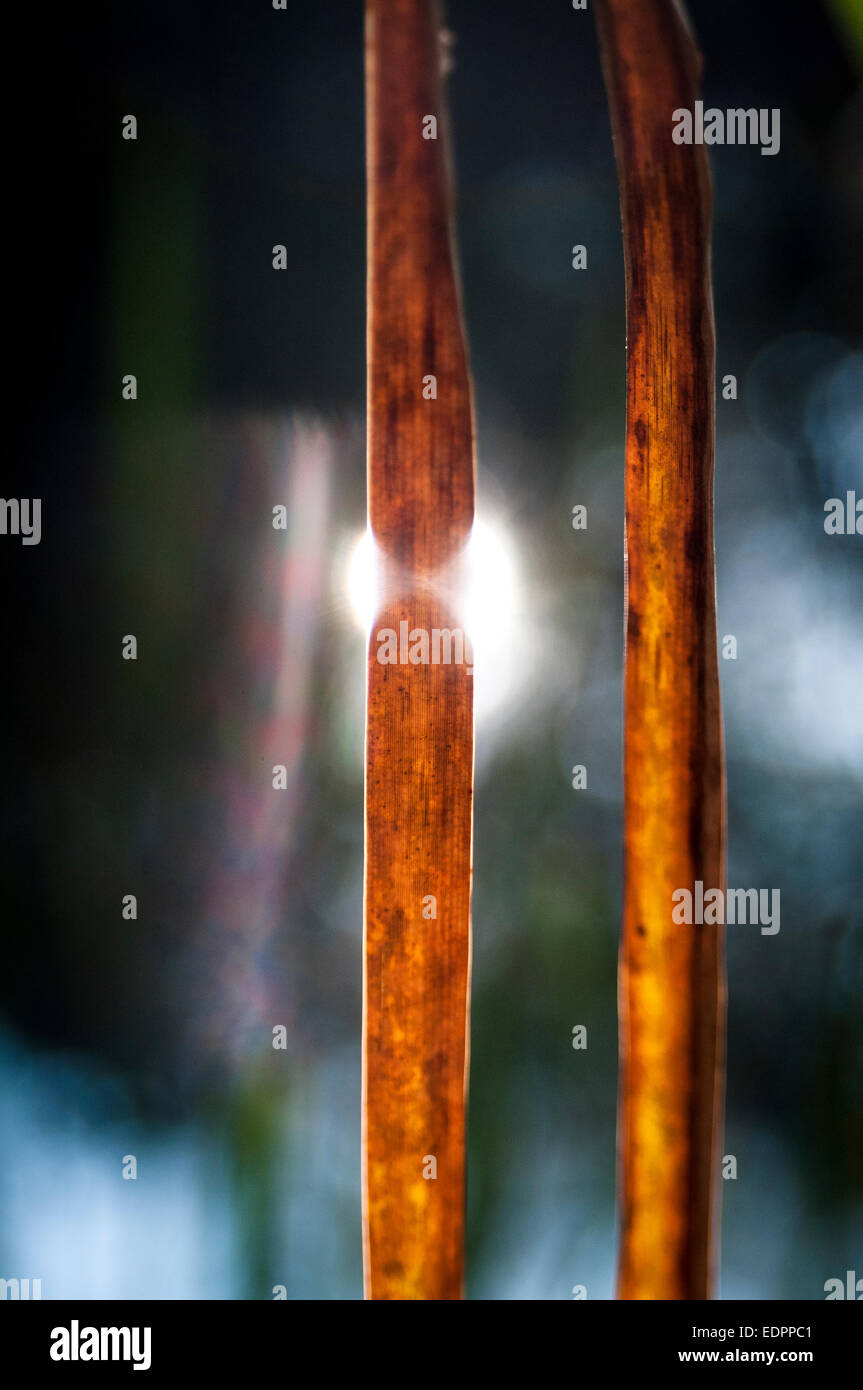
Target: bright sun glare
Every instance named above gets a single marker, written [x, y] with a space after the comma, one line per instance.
[489, 605]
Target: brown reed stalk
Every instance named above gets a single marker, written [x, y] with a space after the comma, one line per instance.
[419, 728]
[671, 983]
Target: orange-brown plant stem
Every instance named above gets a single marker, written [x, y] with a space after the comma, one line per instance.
[419, 727]
[671, 985]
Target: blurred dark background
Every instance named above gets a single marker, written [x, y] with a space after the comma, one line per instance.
[152, 1037]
